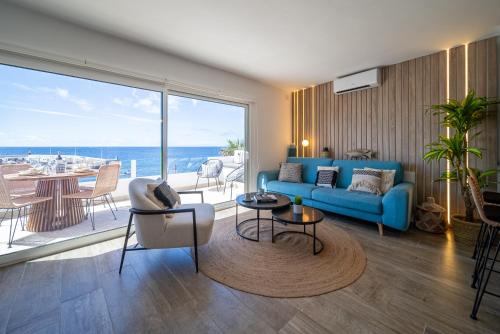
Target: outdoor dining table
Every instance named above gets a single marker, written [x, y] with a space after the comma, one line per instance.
[59, 212]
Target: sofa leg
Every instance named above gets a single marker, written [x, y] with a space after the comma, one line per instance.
[380, 229]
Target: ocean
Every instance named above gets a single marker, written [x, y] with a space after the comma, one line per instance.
[180, 159]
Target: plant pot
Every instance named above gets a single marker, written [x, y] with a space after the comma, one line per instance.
[465, 232]
[298, 209]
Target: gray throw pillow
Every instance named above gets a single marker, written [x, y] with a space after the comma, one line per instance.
[290, 172]
[166, 195]
[150, 193]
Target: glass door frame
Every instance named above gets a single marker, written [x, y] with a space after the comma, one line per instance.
[208, 98]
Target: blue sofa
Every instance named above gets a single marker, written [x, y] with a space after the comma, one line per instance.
[392, 209]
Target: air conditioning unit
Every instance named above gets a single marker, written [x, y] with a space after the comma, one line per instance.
[358, 81]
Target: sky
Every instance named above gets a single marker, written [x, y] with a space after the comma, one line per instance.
[46, 109]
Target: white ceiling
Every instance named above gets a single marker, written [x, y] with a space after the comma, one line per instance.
[287, 43]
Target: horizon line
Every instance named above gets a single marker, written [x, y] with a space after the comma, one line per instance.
[105, 146]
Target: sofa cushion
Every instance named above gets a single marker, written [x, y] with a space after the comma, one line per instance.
[349, 199]
[292, 189]
[346, 167]
[310, 167]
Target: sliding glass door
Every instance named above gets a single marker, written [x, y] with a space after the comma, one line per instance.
[57, 132]
[206, 146]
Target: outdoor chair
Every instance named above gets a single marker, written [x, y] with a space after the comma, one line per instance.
[116, 179]
[105, 184]
[189, 225]
[485, 258]
[19, 204]
[18, 188]
[210, 169]
[237, 175]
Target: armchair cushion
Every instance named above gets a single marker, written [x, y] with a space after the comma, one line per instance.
[179, 232]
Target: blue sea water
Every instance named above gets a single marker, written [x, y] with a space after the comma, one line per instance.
[180, 159]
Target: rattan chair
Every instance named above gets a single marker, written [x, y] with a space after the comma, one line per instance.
[18, 188]
[486, 241]
[210, 169]
[237, 175]
[18, 203]
[105, 184]
[110, 195]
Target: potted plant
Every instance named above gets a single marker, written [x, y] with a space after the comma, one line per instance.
[462, 117]
[232, 146]
[325, 153]
[297, 205]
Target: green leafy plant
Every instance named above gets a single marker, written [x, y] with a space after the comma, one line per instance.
[232, 146]
[462, 117]
[297, 200]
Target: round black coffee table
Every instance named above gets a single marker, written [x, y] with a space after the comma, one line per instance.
[309, 216]
[282, 202]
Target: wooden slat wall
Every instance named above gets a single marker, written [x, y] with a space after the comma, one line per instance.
[482, 77]
[392, 119]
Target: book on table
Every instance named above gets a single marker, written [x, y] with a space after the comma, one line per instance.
[265, 198]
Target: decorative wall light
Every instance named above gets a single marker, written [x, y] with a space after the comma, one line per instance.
[305, 144]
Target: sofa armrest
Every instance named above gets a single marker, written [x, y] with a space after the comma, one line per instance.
[397, 206]
[265, 176]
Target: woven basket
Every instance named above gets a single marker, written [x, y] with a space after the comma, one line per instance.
[465, 232]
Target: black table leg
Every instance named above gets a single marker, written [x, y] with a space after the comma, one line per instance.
[272, 229]
[258, 224]
[236, 215]
[304, 229]
[314, 238]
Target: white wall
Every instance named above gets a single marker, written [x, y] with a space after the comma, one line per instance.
[270, 119]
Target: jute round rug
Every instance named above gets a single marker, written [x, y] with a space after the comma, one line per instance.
[286, 268]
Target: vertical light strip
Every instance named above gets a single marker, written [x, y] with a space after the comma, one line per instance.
[297, 147]
[448, 190]
[303, 120]
[294, 134]
[313, 127]
[466, 91]
[293, 118]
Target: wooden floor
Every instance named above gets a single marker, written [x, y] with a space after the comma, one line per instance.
[412, 281]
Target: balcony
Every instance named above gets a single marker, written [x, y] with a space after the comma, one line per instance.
[104, 220]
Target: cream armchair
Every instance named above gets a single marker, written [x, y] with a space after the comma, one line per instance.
[189, 225]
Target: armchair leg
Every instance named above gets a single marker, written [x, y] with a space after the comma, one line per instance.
[478, 241]
[125, 243]
[196, 186]
[380, 229]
